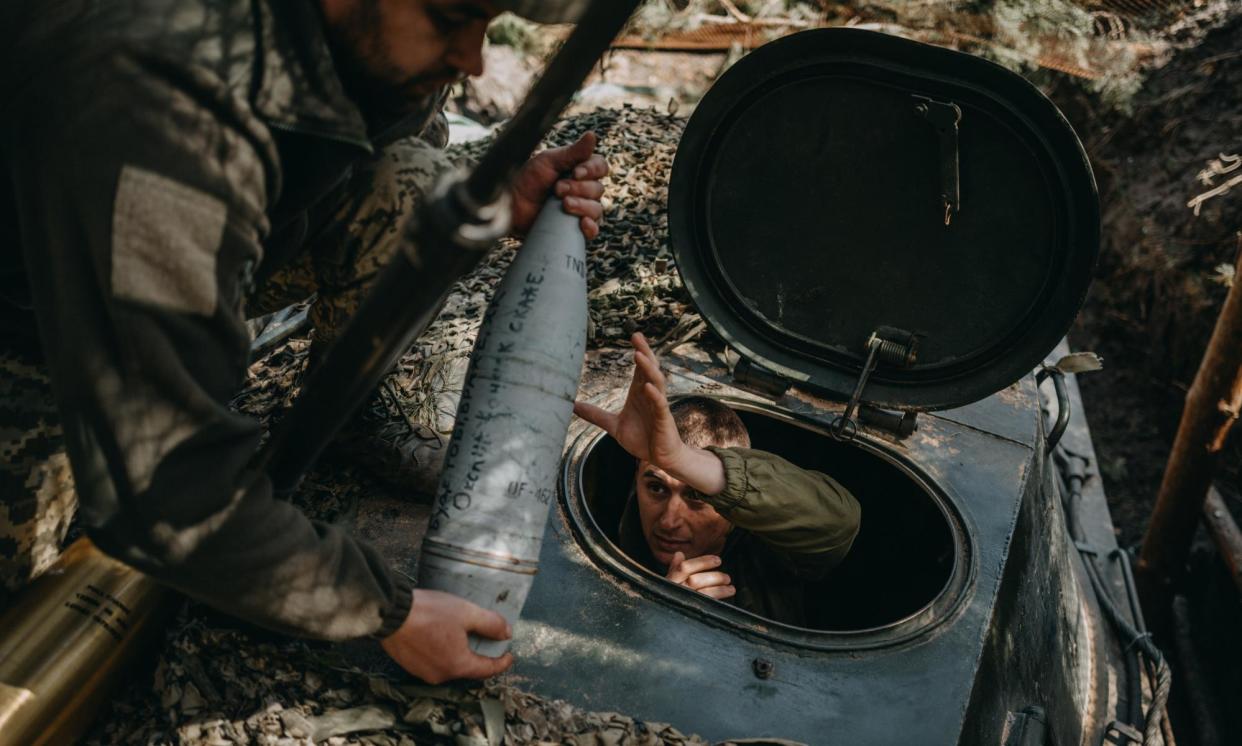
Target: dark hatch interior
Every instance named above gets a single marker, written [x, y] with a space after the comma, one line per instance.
[903, 556]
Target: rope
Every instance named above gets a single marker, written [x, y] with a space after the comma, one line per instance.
[1130, 637]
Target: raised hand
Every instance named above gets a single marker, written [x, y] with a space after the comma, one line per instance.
[644, 427]
[646, 430]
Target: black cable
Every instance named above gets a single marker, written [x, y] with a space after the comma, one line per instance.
[1132, 639]
[1072, 475]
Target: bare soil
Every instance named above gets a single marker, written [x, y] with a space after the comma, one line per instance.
[1157, 293]
[1158, 284]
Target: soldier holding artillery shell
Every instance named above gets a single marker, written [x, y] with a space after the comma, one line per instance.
[171, 168]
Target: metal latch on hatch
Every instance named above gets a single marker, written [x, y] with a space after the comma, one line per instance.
[892, 347]
[944, 116]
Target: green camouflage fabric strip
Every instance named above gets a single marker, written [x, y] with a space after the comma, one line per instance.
[35, 480]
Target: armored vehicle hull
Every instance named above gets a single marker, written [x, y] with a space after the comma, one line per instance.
[889, 238]
[963, 605]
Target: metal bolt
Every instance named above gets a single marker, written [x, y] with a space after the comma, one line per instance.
[763, 668]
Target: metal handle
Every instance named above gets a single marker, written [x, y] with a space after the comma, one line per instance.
[1063, 405]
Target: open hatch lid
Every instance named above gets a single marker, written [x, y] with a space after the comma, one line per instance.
[839, 182]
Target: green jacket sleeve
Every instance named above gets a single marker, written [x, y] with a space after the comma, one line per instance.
[142, 201]
[808, 518]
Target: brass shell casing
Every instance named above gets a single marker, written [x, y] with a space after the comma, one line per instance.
[65, 641]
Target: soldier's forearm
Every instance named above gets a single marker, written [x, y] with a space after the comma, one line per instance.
[794, 510]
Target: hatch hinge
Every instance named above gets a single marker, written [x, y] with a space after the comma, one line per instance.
[755, 376]
[901, 424]
[893, 348]
[945, 116]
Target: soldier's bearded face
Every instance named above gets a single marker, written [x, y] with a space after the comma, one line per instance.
[674, 519]
[392, 52]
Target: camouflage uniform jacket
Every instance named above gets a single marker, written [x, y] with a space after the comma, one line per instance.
[791, 525]
[158, 157]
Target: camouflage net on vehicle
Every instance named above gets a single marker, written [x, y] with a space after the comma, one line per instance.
[215, 686]
[632, 280]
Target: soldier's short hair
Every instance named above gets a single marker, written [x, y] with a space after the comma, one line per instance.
[703, 422]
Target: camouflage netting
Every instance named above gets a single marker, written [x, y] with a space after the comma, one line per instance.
[216, 683]
[217, 686]
[632, 282]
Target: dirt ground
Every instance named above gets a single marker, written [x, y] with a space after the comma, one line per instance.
[1159, 284]
[1158, 289]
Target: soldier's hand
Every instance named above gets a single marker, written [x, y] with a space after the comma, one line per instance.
[645, 427]
[701, 574]
[432, 643]
[572, 173]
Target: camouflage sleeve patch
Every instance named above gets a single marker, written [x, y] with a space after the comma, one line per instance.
[165, 238]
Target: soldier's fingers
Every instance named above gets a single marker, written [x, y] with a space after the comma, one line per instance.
[701, 580]
[720, 592]
[675, 573]
[591, 189]
[651, 369]
[594, 167]
[637, 380]
[565, 158]
[701, 564]
[482, 667]
[586, 208]
[589, 227]
[647, 365]
[597, 416]
[656, 405]
[640, 343]
[488, 623]
[640, 377]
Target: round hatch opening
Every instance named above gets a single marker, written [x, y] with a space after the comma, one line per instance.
[906, 572]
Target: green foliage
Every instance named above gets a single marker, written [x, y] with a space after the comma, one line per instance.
[509, 30]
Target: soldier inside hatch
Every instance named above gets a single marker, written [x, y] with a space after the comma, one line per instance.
[709, 512]
[171, 167]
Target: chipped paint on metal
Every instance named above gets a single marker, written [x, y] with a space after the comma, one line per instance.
[555, 646]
